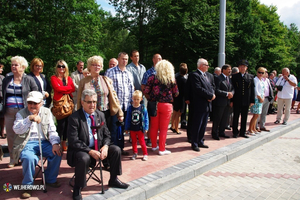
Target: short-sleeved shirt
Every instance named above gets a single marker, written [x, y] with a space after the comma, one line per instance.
[137, 74]
[148, 73]
[123, 85]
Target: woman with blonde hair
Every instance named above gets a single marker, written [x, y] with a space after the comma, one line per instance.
[62, 84]
[15, 89]
[107, 100]
[161, 88]
[256, 109]
[36, 68]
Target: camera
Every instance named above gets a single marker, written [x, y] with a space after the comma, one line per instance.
[279, 87]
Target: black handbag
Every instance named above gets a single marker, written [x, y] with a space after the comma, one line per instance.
[152, 108]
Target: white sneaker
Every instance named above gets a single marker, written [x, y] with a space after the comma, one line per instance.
[145, 158]
[134, 156]
[154, 149]
[165, 152]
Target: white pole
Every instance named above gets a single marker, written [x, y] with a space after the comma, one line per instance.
[221, 56]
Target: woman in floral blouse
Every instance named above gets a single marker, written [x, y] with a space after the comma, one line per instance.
[161, 88]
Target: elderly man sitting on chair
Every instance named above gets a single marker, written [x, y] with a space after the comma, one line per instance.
[89, 140]
[32, 122]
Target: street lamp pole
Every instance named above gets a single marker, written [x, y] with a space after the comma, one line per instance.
[221, 56]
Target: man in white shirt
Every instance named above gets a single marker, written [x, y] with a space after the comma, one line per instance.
[32, 121]
[285, 86]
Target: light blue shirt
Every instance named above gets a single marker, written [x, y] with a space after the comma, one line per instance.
[89, 123]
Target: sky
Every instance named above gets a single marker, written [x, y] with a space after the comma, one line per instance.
[288, 10]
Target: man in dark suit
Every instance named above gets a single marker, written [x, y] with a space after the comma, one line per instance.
[201, 94]
[243, 98]
[86, 145]
[221, 105]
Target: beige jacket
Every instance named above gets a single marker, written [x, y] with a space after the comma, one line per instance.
[21, 139]
[114, 104]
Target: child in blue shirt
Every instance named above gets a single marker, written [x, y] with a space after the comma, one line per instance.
[137, 123]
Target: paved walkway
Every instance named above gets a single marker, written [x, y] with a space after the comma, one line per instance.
[271, 171]
[159, 173]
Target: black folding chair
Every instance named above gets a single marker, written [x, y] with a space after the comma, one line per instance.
[91, 174]
[40, 167]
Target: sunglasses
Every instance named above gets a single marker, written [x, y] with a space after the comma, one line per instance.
[30, 102]
[261, 72]
[61, 66]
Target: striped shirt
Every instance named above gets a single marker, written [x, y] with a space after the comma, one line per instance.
[14, 95]
[123, 85]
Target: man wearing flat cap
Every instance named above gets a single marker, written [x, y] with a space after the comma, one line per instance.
[243, 98]
[32, 122]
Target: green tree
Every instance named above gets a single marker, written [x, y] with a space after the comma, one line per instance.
[52, 30]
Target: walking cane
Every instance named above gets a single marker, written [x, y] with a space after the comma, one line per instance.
[42, 163]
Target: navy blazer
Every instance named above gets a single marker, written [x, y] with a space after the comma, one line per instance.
[201, 90]
[78, 134]
[222, 87]
[243, 89]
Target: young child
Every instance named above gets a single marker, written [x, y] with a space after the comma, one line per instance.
[137, 123]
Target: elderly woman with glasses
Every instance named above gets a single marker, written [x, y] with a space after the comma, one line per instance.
[256, 109]
[36, 68]
[62, 84]
[15, 90]
[107, 100]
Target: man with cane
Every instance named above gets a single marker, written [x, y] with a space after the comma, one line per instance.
[36, 135]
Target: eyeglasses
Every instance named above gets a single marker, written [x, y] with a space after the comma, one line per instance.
[90, 102]
[38, 66]
[206, 65]
[61, 66]
[261, 72]
[32, 103]
[95, 65]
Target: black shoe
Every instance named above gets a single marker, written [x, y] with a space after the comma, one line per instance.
[235, 136]
[173, 130]
[54, 185]
[276, 122]
[215, 137]
[245, 136]
[195, 148]
[77, 193]
[118, 184]
[125, 153]
[284, 123]
[203, 146]
[224, 136]
[228, 128]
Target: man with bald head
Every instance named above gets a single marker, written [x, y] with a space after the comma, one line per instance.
[112, 63]
[285, 86]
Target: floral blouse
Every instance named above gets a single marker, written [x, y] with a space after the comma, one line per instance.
[160, 92]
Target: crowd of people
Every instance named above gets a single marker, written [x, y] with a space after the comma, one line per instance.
[127, 98]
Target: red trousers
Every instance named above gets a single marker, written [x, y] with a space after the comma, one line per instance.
[161, 123]
[140, 135]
